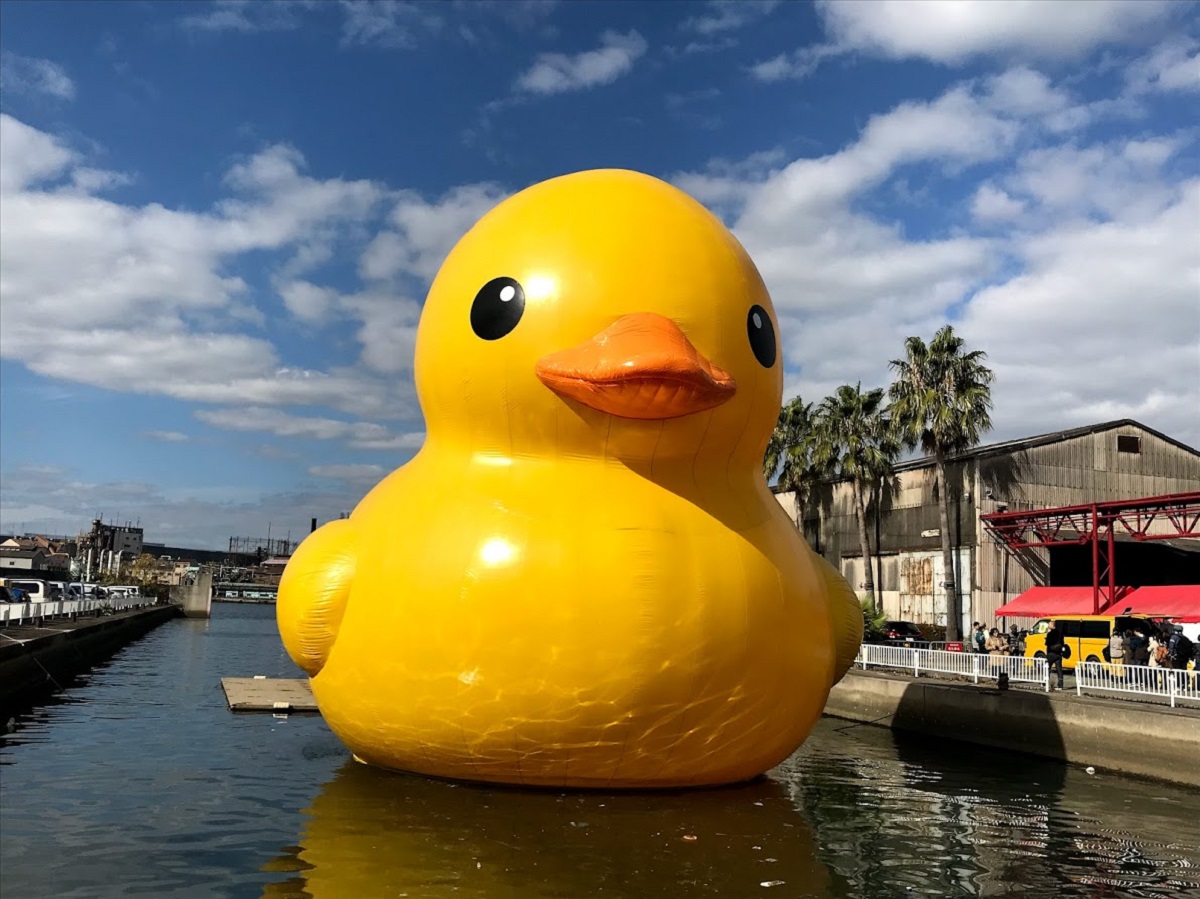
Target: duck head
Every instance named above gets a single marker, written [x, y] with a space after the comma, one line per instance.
[600, 314]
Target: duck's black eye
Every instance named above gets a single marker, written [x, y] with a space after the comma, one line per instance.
[762, 335]
[497, 308]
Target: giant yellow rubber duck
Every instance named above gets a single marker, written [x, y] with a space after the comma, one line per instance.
[582, 578]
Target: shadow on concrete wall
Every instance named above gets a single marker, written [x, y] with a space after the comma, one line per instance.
[941, 726]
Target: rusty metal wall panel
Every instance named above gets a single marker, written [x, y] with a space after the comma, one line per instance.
[921, 597]
[890, 579]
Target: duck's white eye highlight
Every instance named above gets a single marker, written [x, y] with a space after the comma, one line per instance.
[507, 293]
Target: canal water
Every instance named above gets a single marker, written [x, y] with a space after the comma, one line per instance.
[138, 781]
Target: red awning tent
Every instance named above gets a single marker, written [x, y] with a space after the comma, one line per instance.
[1038, 602]
[1179, 602]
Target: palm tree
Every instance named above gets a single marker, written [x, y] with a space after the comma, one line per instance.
[789, 454]
[852, 439]
[941, 396]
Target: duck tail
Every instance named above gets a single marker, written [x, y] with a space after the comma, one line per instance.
[845, 613]
[313, 593]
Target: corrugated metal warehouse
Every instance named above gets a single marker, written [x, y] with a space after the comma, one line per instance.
[1115, 460]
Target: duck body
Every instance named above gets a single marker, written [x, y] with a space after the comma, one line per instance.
[582, 578]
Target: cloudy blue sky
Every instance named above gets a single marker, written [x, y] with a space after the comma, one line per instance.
[218, 220]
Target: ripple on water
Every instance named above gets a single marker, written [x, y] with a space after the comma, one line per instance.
[139, 781]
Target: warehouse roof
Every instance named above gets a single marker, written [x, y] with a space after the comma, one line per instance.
[1024, 443]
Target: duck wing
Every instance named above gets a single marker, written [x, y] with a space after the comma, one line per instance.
[845, 612]
[313, 593]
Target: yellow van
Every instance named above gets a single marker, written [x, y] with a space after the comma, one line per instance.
[1086, 635]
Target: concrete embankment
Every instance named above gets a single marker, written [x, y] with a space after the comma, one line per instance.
[35, 660]
[1120, 735]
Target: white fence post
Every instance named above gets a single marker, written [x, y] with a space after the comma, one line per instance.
[917, 662]
[1171, 687]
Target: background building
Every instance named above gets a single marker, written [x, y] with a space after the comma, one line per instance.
[13, 557]
[1115, 460]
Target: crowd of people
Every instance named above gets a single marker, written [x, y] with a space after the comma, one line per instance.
[997, 643]
[1156, 648]
[1151, 646]
[1167, 647]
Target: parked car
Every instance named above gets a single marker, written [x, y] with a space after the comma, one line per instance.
[1086, 636]
[34, 591]
[902, 631]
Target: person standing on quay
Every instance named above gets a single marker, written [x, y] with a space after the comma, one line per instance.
[1054, 651]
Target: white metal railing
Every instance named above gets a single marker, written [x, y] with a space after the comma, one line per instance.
[1172, 685]
[917, 644]
[974, 665]
[20, 612]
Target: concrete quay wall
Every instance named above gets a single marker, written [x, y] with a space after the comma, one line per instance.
[195, 599]
[34, 659]
[1120, 735]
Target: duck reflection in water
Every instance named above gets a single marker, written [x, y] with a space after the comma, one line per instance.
[374, 833]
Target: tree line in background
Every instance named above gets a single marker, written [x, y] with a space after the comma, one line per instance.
[939, 400]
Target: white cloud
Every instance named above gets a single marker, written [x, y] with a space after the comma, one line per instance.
[1025, 93]
[146, 304]
[370, 473]
[149, 303]
[1174, 65]
[167, 436]
[952, 31]
[1083, 302]
[1113, 180]
[954, 128]
[50, 500]
[308, 302]
[423, 232]
[520, 14]
[844, 283]
[275, 421]
[388, 23]
[797, 64]
[89, 180]
[388, 331]
[28, 156]
[728, 15]
[391, 24]
[1103, 322]
[249, 16]
[556, 73]
[366, 435]
[724, 186]
[35, 77]
[991, 204]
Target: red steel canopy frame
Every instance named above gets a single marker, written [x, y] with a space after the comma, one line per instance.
[1173, 516]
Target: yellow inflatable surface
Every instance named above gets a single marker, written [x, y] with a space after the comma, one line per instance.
[582, 578]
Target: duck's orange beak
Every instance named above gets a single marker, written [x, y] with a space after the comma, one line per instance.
[642, 366]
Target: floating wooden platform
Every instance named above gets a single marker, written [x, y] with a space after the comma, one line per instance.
[269, 694]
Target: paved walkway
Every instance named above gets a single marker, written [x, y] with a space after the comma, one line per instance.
[1067, 694]
[25, 633]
